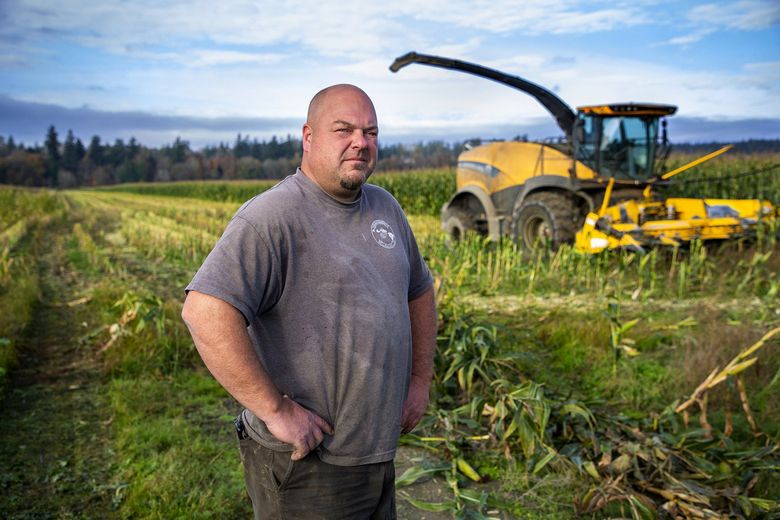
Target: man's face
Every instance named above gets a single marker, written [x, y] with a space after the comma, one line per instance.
[340, 142]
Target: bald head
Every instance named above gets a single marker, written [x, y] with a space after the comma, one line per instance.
[340, 140]
[325, 96]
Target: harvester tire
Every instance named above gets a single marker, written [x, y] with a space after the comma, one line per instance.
[456, 222]
[546, 218]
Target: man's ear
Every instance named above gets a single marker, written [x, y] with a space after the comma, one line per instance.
[306, 137]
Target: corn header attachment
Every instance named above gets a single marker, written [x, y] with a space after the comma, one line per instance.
[637, 224]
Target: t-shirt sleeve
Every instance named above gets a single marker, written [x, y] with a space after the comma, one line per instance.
[420, 277]
[241, 270]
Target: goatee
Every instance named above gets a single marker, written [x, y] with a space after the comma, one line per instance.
[351, 185]
[354, 185]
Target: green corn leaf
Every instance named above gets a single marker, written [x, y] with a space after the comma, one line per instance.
[470, 377]
[466, 469]
[765, 504]
[638, 506]
[544, 461]
[591, 470]
[415, 473]
[472, 495]
[433, 507]
[628, 326]
[510, 430]
[577, 410]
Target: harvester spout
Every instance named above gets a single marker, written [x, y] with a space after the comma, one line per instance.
[562, 113]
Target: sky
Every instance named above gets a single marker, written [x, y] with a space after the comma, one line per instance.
[206, 71]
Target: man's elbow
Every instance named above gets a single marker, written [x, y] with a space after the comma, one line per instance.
[189, 311]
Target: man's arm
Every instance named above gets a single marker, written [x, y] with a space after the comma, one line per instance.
[422, 312]
[220, 335]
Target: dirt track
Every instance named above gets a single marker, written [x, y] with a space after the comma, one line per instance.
[54, 433]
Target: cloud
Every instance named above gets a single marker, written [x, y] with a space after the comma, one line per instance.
[241, 31]
[681, 130]
[763, 75]
[206, 58]
[700, 129]
[28, 121]
[563, 60]
[689, 38]
[533, 17]
[262, 62]
[745, 15]
[460, 48]
[8, 61]
[350, 28]
[209, 58]
[589, 79]
[119, 27]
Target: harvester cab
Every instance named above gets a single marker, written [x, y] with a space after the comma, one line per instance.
[621, 141]
[593, 189]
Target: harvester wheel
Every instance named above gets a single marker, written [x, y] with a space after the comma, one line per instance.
[545, 218]
[456, 222]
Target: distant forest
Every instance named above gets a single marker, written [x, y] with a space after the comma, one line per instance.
[69, 163]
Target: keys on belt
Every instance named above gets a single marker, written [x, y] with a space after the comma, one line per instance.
[238, 422]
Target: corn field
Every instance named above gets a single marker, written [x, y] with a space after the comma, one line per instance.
[615, 385]
[752, 177]
[419, 193]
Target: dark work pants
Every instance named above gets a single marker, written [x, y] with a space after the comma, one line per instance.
[281, 489]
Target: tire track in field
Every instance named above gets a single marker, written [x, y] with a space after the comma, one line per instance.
[55, 428]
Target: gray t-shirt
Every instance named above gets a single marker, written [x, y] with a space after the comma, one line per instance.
[324, 287]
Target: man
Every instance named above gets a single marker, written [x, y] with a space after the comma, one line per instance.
[315, 310]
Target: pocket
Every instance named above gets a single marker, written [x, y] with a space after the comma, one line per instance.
[244, 449]
[282, 469]
[258, 431]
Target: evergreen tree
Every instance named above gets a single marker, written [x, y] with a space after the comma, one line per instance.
[81, 152]
[151, 168]
[182, 148]
[133, 148]
[70, 158]
[95, 151]
[257, 149]
[117, 153]
[52, 146]
[242, 147]
[177, 153]
[273, 148]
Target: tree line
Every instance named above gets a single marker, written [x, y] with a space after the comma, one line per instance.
[748, 146]
[70, 163]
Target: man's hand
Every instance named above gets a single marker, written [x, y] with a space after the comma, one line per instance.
[297, 426]
[220, 335]
[415, 405]
[422, 314]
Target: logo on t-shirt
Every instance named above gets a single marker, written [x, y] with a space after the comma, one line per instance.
[383, 234]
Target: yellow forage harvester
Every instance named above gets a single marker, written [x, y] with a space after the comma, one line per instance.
[592, 188]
